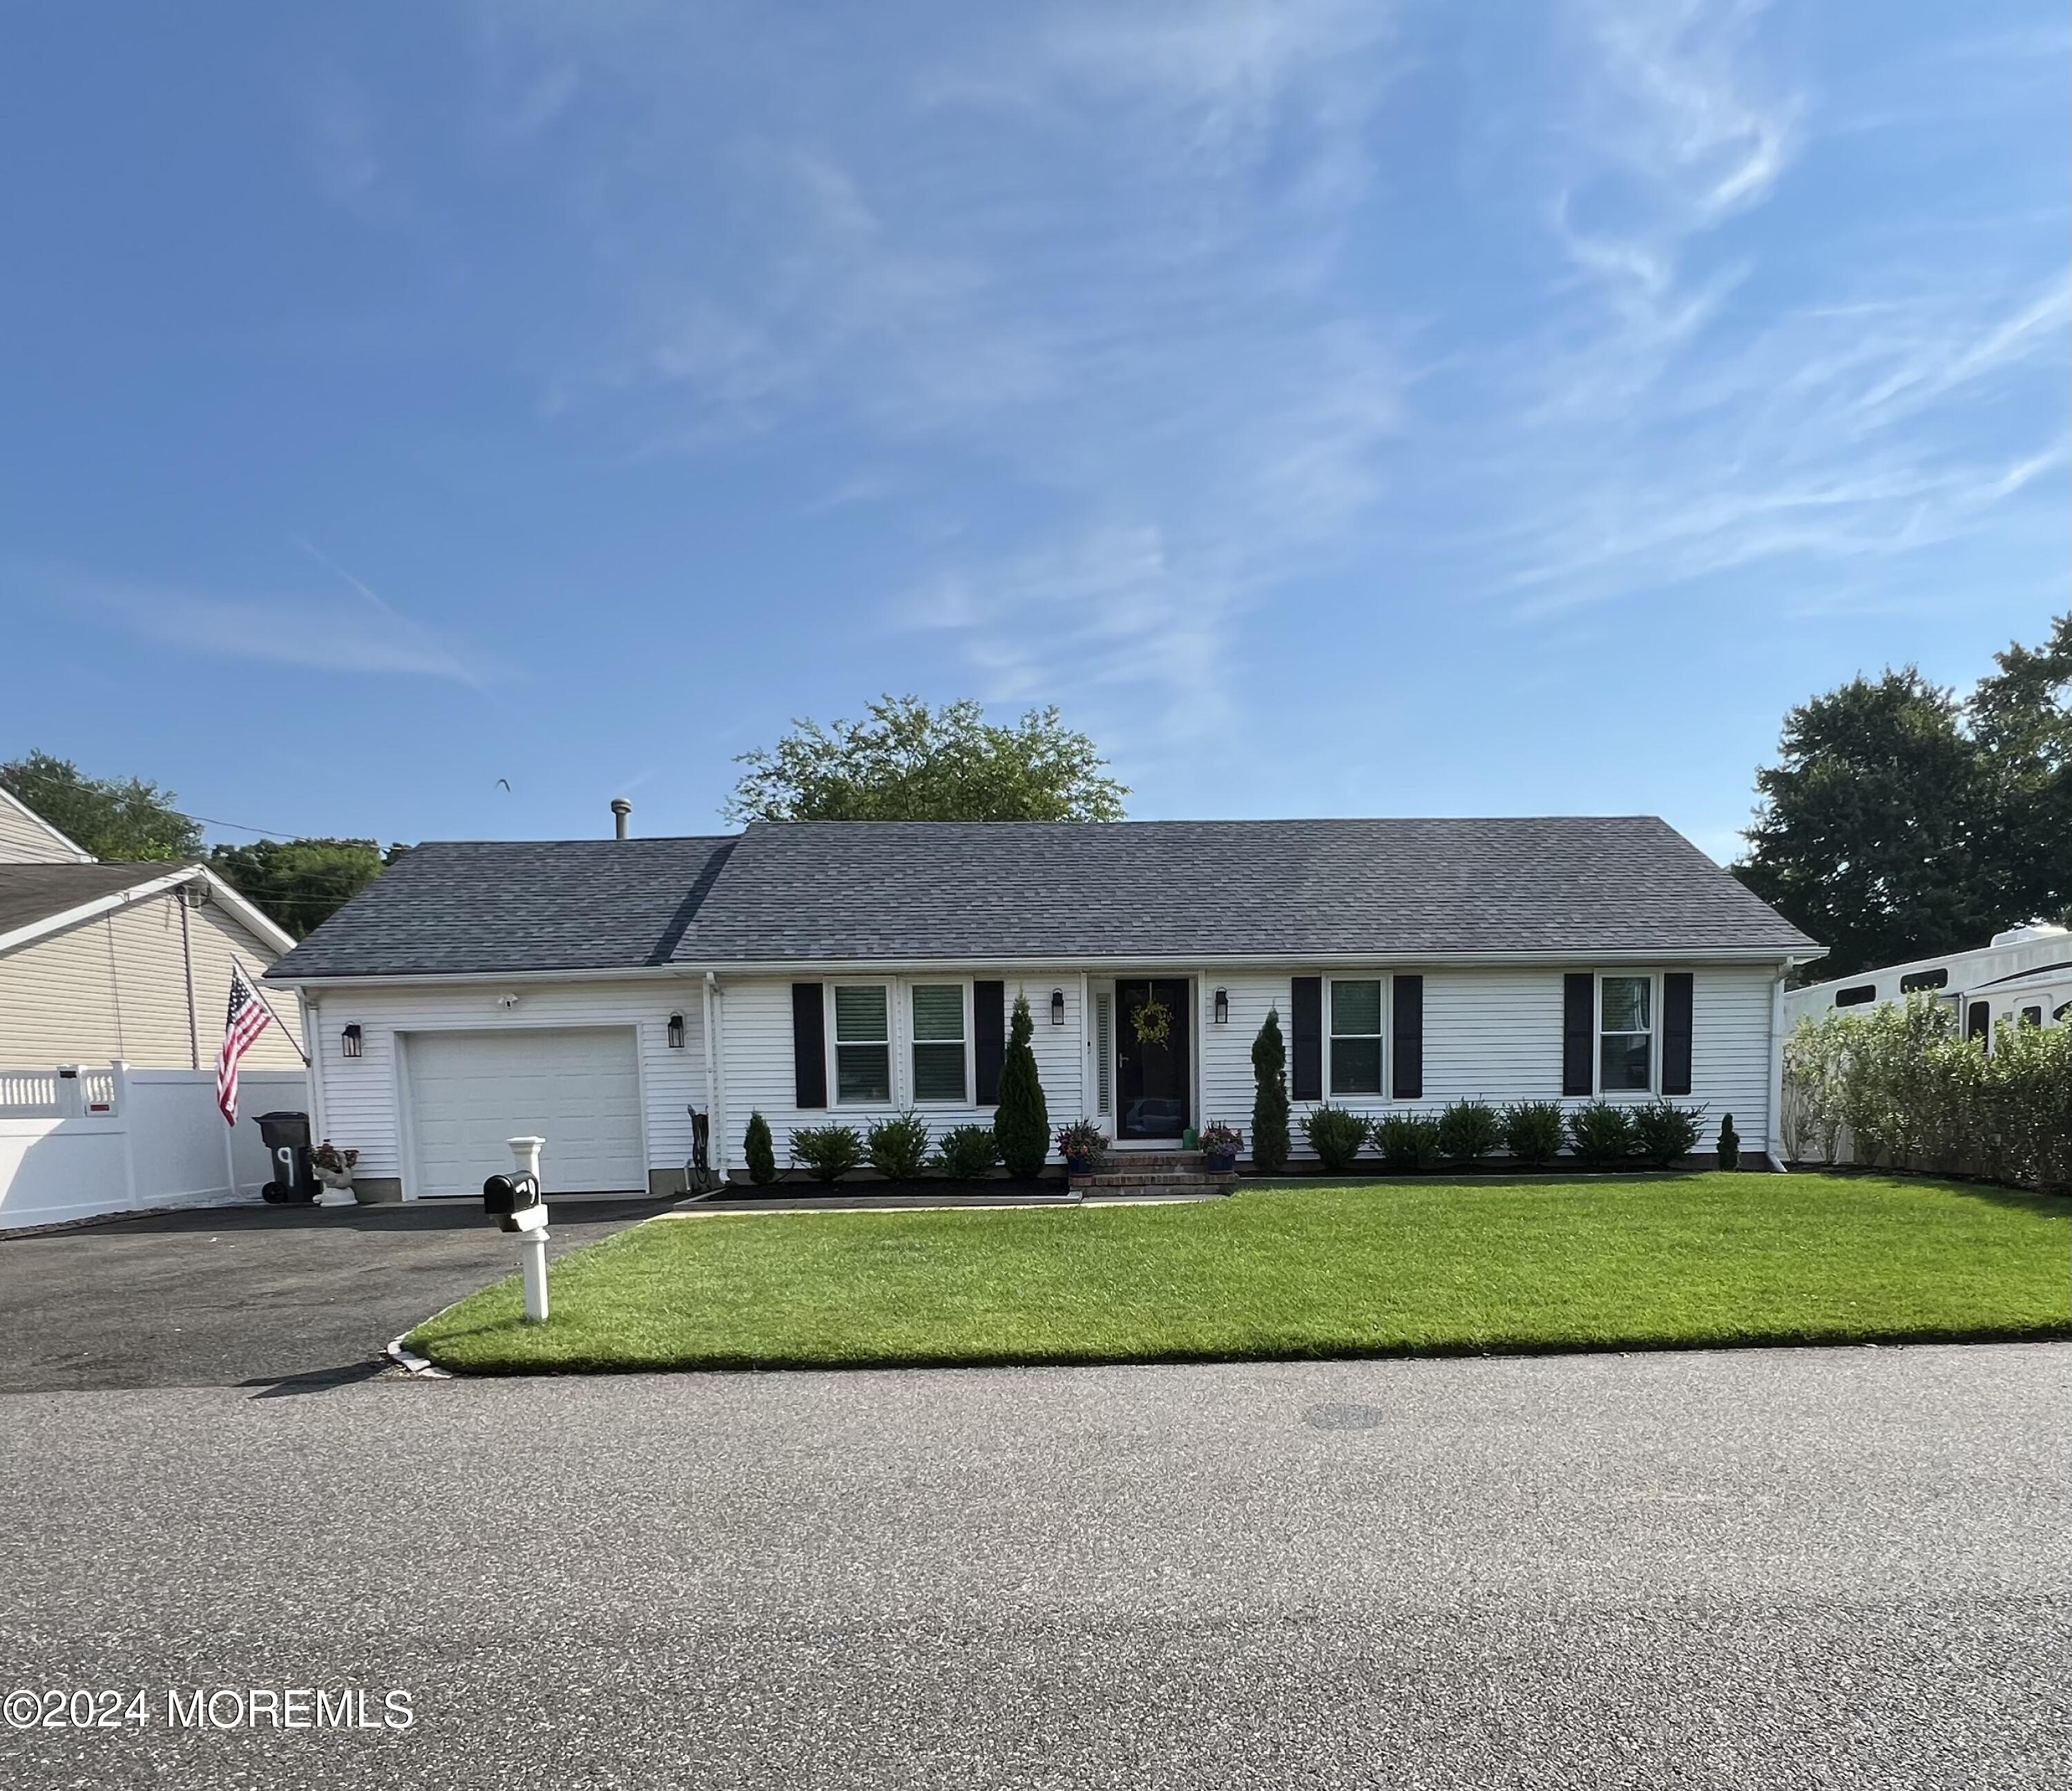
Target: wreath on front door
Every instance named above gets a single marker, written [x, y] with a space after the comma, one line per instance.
[1153, 1021]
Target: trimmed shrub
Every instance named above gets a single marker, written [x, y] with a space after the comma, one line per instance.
[1534, 1132]
[1407, 1141]
[1335, 1135]
[1467, 1130]
[1269, 1101]
[762, 1154]
[1022, 1124]
[827, 1153]
[1663, 1131]
[967, 1153]
[898, 1147]
[1601, 1134]
[1730, 1144]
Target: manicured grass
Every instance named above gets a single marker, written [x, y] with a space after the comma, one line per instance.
[1405, 1268]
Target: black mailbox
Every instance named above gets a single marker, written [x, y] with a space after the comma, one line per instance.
[504, 1195]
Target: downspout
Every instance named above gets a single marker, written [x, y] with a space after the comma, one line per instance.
[186, 969]
[1775, 1143]
[307, 1012]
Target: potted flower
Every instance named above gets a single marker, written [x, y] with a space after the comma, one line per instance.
[1081, 1144]
[333, 1168]
[1220, 1145]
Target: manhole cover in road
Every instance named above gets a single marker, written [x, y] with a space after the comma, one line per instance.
[1345, 1417]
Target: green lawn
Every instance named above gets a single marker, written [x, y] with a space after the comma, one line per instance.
[1404, 1267]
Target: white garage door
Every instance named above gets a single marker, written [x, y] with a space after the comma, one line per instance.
[578, 1088]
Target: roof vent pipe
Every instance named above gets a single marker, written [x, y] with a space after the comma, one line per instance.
[620, 809]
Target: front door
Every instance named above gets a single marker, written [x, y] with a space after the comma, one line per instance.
[1151, 1073]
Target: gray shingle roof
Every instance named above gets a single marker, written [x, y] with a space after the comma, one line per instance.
[816, 891]
[454, 906]
[30, 893]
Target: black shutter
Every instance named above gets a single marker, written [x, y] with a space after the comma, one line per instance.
[809, 1045]
[1676, 1032]
[989, 1039]
[1408, 1079]
[1579, 1020]
[1305, 1081]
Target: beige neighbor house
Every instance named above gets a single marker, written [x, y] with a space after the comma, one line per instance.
[132, 961]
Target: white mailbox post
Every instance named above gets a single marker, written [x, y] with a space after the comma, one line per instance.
[515, 1202]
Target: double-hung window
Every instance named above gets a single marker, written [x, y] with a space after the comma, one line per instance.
[863, 1044]
[1626, 1034]
[1356, 1036]
[938, 1042]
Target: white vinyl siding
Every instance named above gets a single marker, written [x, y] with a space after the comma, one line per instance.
[25, 841]
[116, 986]
[362, 1097]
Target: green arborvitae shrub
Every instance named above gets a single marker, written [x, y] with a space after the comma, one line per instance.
[1468, 1131]
[762, 1154]
[1534, 1132]
[1730, 1144]
[1022, 1124]
[1663, 1131]
[1335, 1135]
[1407, 1141]
[1601, 1134]
[898, 1147]
[1269, 1101]
[827, 1153]
[967, 1153]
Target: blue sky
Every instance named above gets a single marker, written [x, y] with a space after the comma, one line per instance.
[1369, 409]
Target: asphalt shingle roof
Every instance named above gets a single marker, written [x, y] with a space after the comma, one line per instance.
[457, 907]
[30, 893]
[817, 892]
[825, 891]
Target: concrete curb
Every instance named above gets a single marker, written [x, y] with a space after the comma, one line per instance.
[413, 1364]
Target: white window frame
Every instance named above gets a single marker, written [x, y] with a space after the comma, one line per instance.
[1383, 1008]
[962, 984]
[890, 985]
[1653, 978]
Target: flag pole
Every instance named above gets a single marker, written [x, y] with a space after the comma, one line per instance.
[261, 995]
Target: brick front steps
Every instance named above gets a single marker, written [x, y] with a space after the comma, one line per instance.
[1153, 1175]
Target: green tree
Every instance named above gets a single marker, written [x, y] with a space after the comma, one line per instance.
[1022, 1124]
[760, 1151]
[114, 818]
[1876, 830]
[2021, 717]
[908, 762]
[302, 883]
[1269, 1100]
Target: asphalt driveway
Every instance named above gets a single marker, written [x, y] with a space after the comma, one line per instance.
[286, 1297]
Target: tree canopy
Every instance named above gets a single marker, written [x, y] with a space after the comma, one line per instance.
[908, 762]
[1903, 820]
[113, 817]
[302, 883]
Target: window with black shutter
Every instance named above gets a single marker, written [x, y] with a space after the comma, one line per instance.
[1305, 1006]
[1579, 1020]
[809, 1045]
[989, 1040]
[1677, 988]
[1407, 1039]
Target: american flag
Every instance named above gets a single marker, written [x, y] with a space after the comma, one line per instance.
[245, 1021]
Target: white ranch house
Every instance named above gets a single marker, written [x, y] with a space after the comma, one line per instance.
[597, 992]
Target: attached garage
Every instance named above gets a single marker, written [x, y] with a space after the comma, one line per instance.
[578, 1087]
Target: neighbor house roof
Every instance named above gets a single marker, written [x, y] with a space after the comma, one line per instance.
[812, 892]
[455, 906]
[39, 899]
[1180, 891]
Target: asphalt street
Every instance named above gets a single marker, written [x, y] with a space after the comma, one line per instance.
[1765, 1568]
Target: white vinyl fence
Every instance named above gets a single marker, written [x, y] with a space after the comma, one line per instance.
[78, 1139]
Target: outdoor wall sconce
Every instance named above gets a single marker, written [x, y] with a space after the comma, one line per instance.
[1222, 1007]
[349, 1041]
[1057, 1007]
[676, 1032]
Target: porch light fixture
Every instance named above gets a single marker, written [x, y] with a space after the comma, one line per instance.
[1222, 1007]
[349, 1041]
[1057, 1007]
[676, 1032]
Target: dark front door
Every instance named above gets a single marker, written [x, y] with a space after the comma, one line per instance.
[1151, 1076]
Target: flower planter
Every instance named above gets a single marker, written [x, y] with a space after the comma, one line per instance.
[1220, 1162]
[1079, 1165]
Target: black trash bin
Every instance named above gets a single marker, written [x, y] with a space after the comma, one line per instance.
[287, 1139]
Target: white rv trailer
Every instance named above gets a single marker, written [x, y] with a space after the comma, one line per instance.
[2024, 968]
